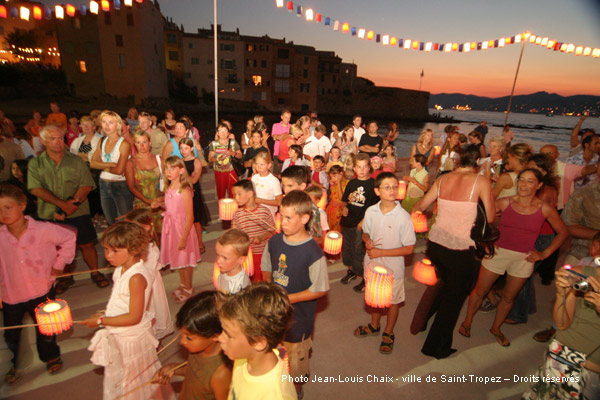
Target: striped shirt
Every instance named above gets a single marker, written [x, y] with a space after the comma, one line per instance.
[254, 223]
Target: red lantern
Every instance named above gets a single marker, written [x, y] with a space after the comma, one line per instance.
[290, 6]
[227, 207]
[333, 243]
[70, 10]
[419, 221]
[53, 317]
[37, 12]
[378, 286]
[437, 150]
[424, 272]
[401, 190]
[278, 223]
[318, 17]
[140, 1]
[3, 12]
[249, 263]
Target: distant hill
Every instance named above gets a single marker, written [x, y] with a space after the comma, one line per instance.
[540, 102]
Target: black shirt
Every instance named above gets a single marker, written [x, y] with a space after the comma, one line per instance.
[251, 152]
[359, 195]
[369, 140]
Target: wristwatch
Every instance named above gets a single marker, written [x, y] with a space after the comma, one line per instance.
[99, 321]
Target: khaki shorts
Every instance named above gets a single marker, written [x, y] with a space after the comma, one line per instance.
[298, 355]
[509, 261]
[398, 291]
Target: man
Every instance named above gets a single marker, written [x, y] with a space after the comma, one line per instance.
[372, 143]
[578, 135]
[358, 130]
[317, 145]
[483, 129]
[9, 152]
[56, 118]
[62, 181]
[589, 155]
[157, 137]
[278, 132]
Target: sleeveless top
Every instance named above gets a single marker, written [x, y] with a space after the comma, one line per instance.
[413, 190]
[177, 152]
[513, 190]
[518, 232]
[426, 154]
[452, 228]
[196, 384]
[113, 156]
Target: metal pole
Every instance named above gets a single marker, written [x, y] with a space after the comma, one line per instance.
[216, 65]
[514, 83]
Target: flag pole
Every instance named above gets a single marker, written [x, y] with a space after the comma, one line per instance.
[514, 83]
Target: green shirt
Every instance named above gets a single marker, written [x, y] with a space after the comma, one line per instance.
[62, 180]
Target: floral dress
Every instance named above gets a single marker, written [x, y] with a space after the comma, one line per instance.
[148, 182]
[334, 211]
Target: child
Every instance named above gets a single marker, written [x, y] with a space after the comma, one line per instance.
[193, 166]
[266, 185]
[179, 243]
[232, 250]
[126, 347]
[319, 176]
[377, 167]
[296, 158]
[255, 220]
[418, 182]
[254, 322]
[256, 146]
[32, 253]
[208, 372]
[296, 178]
[334, 158]
[337, 185]
[349, 162]
[293, 260]
[158, 304]
[316, 194]
[389, 158]
[358, 196]
[18, 177]
[388, 235]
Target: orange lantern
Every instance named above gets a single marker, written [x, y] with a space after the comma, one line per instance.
[401, 190]
[53, 317]
[216, 273]
[227, 207]
[345, 27]
[70, 10]
[105, 5]
[249, 263]
[437, 150]
[322, 203]
[333, 243]
[415, 44]
[378, 286]
[37, 12]
[419, 221]
[3, 12]
[278, 223]
[424, 272]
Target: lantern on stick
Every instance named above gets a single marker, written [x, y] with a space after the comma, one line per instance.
[378, 286]
[333, 243]
[278, 223]
[322, 203]
[227, 207]
[401, 190]
[249, 263]
[53, 317]
[437, 150]
[419, 221]
[424, 272]
[216, 273]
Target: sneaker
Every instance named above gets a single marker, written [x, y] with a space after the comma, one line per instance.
[545, 335]
[487, 306]
[360, 287]
[350, 276]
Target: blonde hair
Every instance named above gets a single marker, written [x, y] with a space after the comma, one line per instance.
[143, 216]
[301, 120]
[498, 139]
[422, 135]
[522, 151]
[295, 129]
[184, 179]
[126, 235]
[117, 117]
[140, 133]
[86, 118]
[263, 155]
[236, 238]
[314, 192]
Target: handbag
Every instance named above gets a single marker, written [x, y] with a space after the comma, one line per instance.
[161, 182]
[484, 234]
[236, 163]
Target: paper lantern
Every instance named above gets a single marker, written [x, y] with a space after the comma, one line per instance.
[290, 6]
[129, 3]
[466, 47]
[424, 272]
[532, 38]
[227, 207]
[437, 150]
[37, 12]
[322, 203]
[587, 51]
[501, 42]
[216, 273]
[117, 4]
[407, 43]
[299, 11]
[327, 21]
[419, 221]
[428, 46]
[105, 5]
[518, 38]
[484, 45]
[473, 45]
[448, 47]
[309, 14]
[53, 317]
[415, 44]
[94, 7]
[538, 40]
[333, 243]
[249, 263]
[551, 44]
[378, 286]
[345, 27]
[578, 50]
[336, 25]
[83, 9]
[140, 1]
[510, 40]
[24, 13]
[570, 48]
[279, 3]
[3, 12]
[393, 41]
[361, 33]
[563, 47]
[278, 223]
[370, 35]
[353, 31]
[59, 12]
[318, 17]
[544, 42]
[385, 40]
[70, 10]
[401, 190]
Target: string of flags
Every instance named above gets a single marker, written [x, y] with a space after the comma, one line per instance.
[39, 12]
[412, 44]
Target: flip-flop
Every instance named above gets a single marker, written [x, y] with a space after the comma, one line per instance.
[465, 331]
[502, 340]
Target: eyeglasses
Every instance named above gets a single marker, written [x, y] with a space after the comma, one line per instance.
[388, 188]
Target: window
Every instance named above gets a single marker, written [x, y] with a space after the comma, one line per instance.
[190, 45]
[254, 64]
[107, 19]
[322, 91]
[129, 19]
[227, 63]
[227, 47]
[249, 48]
[195, 61]
[301, 87]
[155, 49]
[263, 63]
[247, 62]
[121, 60]
[231, 78]
[280, 101]
[322, 77]
[305, 60]
[209, 61]
[119, 40]
[171, 38]
[282, 86]
[188, 75]
[282, 70]
[283, 53]
[305, 73]
[90, 48]
[82, 66]
[334, 79]
[257, 80]
[307, 87]
[173, 56]
[259, 96]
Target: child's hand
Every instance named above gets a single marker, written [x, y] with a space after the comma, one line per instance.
[369, 244]
[91, 322]
[182, 243]
[374, 253]
[164, 375]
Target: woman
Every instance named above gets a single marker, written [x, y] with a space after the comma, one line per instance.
[220, 153]
[143, 173]
[346, 142]
[132, 119]
[450, 152]
[85, 145]
[304, 124]
[247, 134]
[335, 134]
[392, 133]
[491, 166]
[172, 146]
[522, 218]
[33, 127]
[516, 161]
[451, 250]
[168, 124]
[111, 157]
[475, 139]
[256, 146]
[424, 146]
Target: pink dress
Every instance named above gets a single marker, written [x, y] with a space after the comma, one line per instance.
[172, 229]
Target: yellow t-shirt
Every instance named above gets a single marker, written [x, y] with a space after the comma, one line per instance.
[57, 119]
[274, 385]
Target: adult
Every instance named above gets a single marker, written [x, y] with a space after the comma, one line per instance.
[56, 118]
[279, 131]
[168, 123]
[143, 173]
[7, 128]
[424, 146]
[335, 133]
[9, 152]
[318, 145]
[589, 155]
[172, 146]
[507, 135]
[392, 133]
[32, 127]
[483, 129]
[220, 153]
[451, 250]
[475, 140]
[256, 146]
[516, 161]
[295, 136]
[86, 144]
[346, 143]
[158, 138]
[132, 119]
[304, 123]
[372, 143]
[111, 156]
[450, 153]
[62, 181]
[358, 129]
[245, 140]
[492, 165]
[578, 135]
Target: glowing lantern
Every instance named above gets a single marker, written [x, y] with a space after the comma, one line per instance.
[551, 43]
[378, 286]
[473, 45]
[428, 46]
[544, 42]
[37, 12]
[59, 12]
[587, 51]
[361, 33]
[401, 190]
[437, 150]
[290, 6]
[501, 42]
[318, 17]
[385, 40]
[249, 263]
[227, 207]
[94, 7]
[216, 273]
[53, 317]
[415, 44]
[129, 3]
[563, 47]
[538, 40]
[309, 14]
[419, 221]
[345, 27]
[140, 1]
[466, 47]
[579, 50]
[570, 48]
[484, 45]
[532, 39]
[490, 43]
[24, 13]
[424, 272]
[278, 223]
[596, 53]
[322, 203]
[336, 25]
[370, 35]
[105, 5]
[393, 41]
[509, 40]
[3, 12]
[333, 243]
[407, 43]
[70, 10]
[518, 38]
[448, 47]
[279, 3]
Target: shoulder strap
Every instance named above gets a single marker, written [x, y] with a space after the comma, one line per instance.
[439, 187]
[473, 188]
[158, 161]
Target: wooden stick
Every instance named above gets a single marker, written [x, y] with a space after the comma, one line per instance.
[5, 328]
[85, 272]
[183, 364]
[168, 344]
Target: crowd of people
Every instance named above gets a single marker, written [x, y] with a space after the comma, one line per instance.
[139, 181]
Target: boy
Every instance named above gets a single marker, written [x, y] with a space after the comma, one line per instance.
[232, 250]
[418, 182]
[319, 176]
[254, 322]
[254, 219]
[296, 178]
[296, 158]
[358, 196]
[295, 261]
[388, 235]
[316, 194]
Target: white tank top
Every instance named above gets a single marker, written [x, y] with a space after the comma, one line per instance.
[113, 156]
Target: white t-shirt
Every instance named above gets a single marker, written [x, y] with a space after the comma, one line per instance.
[316, 146]
[324, 223]
[233, 284]
[358, 132]
[268, 188]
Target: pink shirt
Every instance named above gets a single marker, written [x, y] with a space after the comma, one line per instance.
[26, 264]
[279, 129]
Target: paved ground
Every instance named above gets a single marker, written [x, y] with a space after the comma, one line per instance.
[336, 354]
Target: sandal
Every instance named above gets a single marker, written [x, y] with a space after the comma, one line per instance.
[62, 284]
[53, 366]
[13, 376]
[465, 331]
[387, 343]
[100, 280]
[369, 330]
[511, 321]
[184, 295]
[502, 340]
[177, 292]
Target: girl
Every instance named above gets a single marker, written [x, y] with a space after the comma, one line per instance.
[132, 119]
[450, 153]
[349, 162]
[267, 187]
[516, 161]
[334, 158]
[248, 134]
[126, 347]
[256, 146]
[18, 177]
[475, 139]
[168, 124]
[296, 158]
[220, 153]
[392, 133]
[376, 167]
[208, 373]
[418, 182]
[193, 167]
[337, 185]
[335, 134]
[179, 243]
[295, 136]
[162, 324]
[389, 157]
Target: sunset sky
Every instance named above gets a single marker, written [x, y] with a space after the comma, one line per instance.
[485, 73]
